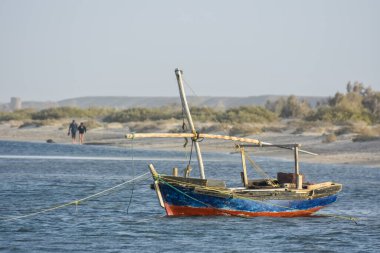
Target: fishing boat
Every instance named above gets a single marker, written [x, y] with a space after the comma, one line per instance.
[288, 195]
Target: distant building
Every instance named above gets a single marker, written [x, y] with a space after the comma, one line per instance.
[15, 103]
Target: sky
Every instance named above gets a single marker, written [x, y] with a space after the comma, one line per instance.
[53, 50]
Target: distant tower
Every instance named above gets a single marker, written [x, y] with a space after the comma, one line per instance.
[15, 103]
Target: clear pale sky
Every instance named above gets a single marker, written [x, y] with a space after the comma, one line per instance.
[52, 50]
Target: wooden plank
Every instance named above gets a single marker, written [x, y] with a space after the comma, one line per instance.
[297, 168]
[156, 186]
[153, 171]
[320, 185]
[195, 181]
[159, 195]
[285, 146]
[245, 176]
[175, 172]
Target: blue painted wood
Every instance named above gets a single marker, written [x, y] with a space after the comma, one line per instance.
[176, 198]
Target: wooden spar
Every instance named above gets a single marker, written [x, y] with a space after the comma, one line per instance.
[285, 146]
[297, 168]
[245, 176]
[156, 185]
[190, 135]
[185, 107]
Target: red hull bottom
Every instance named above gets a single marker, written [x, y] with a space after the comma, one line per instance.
[205, 211]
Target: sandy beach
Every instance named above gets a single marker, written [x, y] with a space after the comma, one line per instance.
[341, 151]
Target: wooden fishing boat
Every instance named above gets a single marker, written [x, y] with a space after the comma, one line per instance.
[285, 196]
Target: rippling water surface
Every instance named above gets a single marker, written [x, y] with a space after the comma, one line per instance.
[105, 224]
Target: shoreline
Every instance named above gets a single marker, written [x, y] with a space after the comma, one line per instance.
[342, 151]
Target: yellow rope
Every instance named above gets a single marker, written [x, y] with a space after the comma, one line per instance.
[75, 202]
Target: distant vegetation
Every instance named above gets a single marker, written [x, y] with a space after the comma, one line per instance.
[289, 108]
[23, 114]
[56, 113]
[248, 114]
[142, 114]
[201, 114]
[359, 104]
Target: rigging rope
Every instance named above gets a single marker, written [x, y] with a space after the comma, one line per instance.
[261, 171]
[78, 201]
[223, 125]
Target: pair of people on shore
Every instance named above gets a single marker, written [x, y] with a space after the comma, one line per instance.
[74, 128]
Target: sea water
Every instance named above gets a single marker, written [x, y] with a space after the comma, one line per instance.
[37, 176]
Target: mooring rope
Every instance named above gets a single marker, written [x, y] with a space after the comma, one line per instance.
[78, 201]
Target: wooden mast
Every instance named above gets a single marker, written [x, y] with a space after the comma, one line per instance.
[185, 107]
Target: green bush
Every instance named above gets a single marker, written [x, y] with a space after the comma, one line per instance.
[339, 115]
[59, 113]
[358, 104]
[294, 108]
[247, 114]
[201, 114]
[141, 114]
[290, 107]
[328, 138]
[70, 112]
[244, 130]
[24, 114]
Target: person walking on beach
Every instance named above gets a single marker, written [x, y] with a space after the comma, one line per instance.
[73, 130]
[82, 129]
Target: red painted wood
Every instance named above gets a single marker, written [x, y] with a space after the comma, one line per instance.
[205, 211]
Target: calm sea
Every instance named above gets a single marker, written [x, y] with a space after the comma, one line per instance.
[36, 176]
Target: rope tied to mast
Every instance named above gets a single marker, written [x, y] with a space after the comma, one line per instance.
[194, 139]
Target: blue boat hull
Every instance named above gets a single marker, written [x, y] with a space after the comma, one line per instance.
[183, 201]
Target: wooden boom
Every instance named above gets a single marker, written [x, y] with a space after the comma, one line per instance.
[256, 143]
[191, 135]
